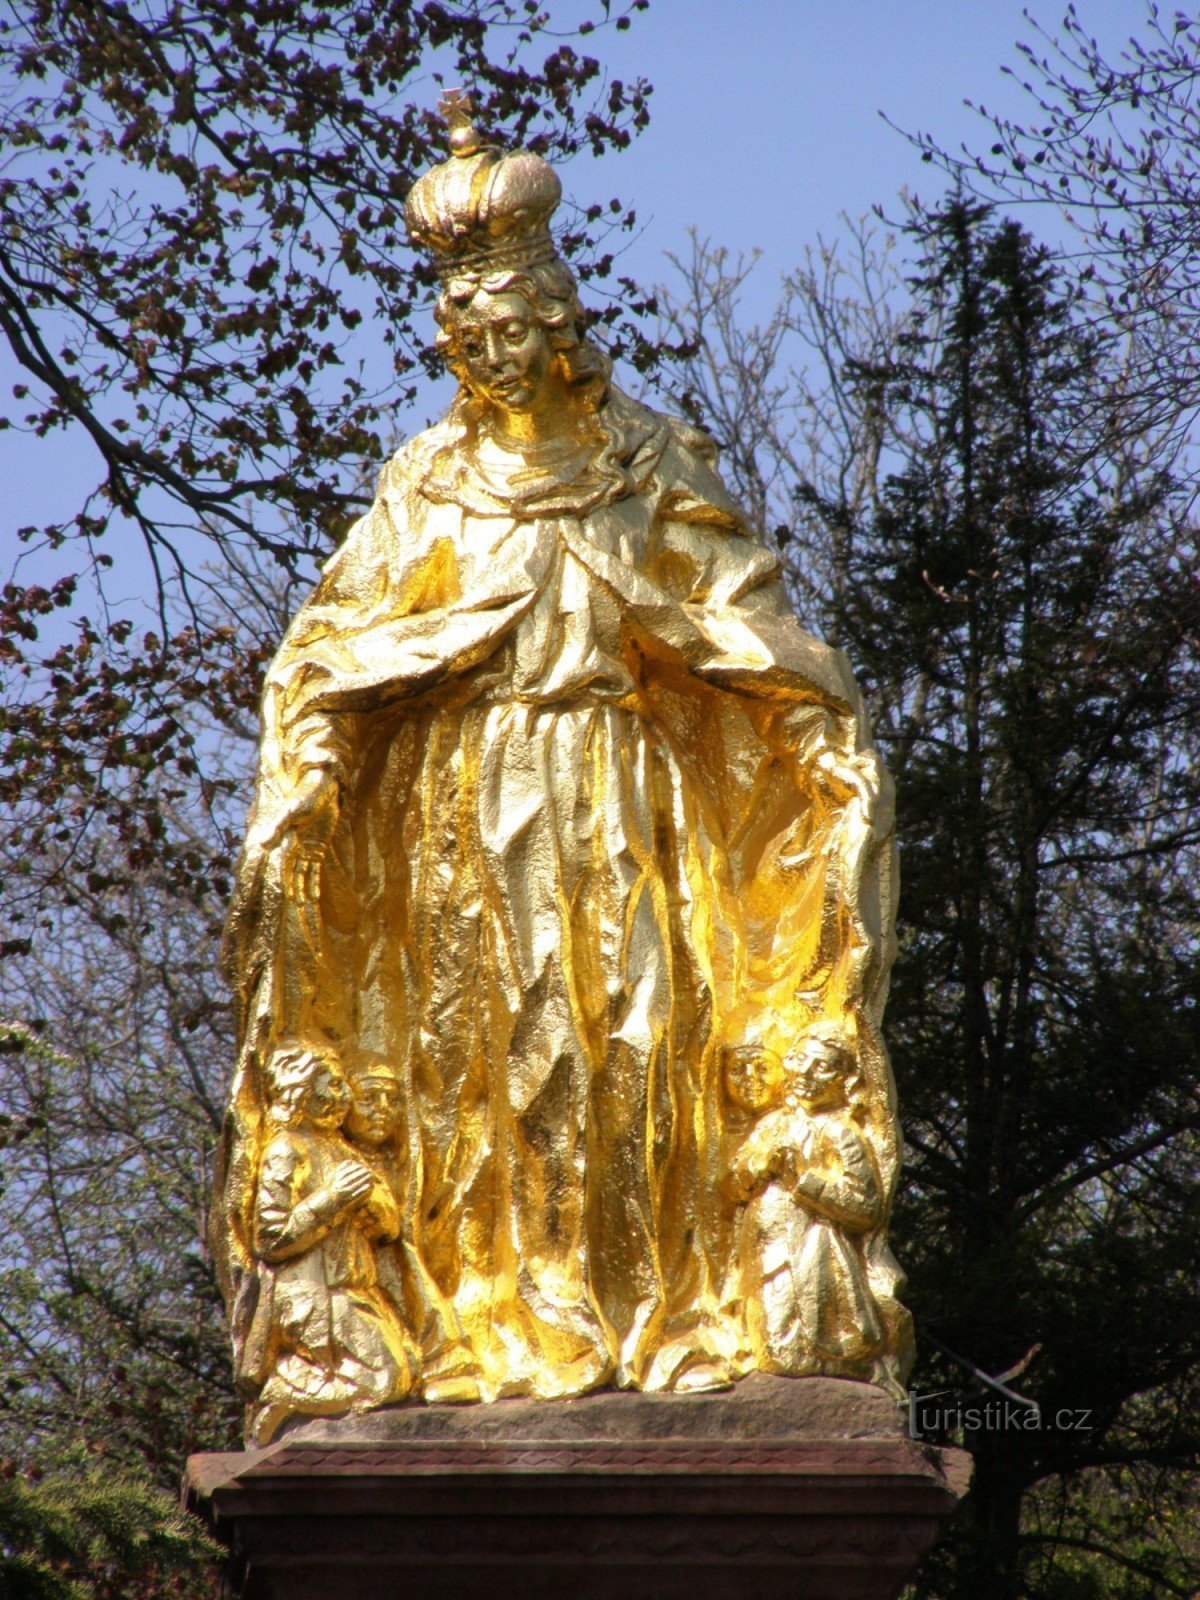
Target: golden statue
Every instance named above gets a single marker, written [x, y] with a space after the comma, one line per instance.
[562, 927]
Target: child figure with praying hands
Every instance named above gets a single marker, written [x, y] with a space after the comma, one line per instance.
[808, 1187]
[324, 1338]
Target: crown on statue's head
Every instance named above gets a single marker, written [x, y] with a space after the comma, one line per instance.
[486, 209]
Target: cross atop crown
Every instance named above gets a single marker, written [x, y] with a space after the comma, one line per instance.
[456, 107]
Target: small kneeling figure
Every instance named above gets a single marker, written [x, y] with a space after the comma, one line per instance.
[373, 1126]
[808, 1184]
[325, 1338]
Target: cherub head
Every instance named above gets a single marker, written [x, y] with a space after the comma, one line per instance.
[821, 1072]
[753, 1077]
[375, 1105]
[305, 1083]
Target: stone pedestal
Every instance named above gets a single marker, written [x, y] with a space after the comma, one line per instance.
[784, 1487]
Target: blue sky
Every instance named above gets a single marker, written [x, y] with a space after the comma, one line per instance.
[768, 115]
[766, 126]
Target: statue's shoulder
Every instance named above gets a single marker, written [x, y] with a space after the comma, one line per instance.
[693, 441]
[686, 468]
[408, 467]
[370, 542]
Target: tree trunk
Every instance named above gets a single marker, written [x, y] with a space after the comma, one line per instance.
[991, 1566]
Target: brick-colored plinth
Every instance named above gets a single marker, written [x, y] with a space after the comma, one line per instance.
[800, 1488]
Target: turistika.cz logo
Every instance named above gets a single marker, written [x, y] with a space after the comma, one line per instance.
[943, 1412]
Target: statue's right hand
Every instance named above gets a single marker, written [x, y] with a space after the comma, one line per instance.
[305, 829]
[351, 1181]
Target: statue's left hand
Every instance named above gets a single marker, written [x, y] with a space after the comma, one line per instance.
[849, 779]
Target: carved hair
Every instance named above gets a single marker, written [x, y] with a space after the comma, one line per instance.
[836, 1036]
[289, 1074]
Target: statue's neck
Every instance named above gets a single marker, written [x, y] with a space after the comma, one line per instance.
[559, 469]
[560, 416]
[519, 429]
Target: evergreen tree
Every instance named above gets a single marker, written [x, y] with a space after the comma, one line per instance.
[98, 1537]
[1024, 606]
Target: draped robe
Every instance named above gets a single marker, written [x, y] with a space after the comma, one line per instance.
[605, 809]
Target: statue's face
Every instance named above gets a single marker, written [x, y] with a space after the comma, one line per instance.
[506, 351]
[819, 1073]
[753, 1077]
[374, 1113]
[327, 1098]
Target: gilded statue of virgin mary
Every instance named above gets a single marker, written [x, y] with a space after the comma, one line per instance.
[562, 926]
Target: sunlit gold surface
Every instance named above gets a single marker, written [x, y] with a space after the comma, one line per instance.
[564, 824]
